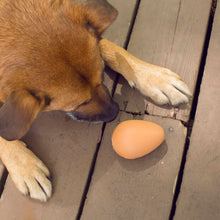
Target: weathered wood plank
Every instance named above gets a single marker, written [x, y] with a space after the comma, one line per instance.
[135, 189]
[168, 33]
[200, 191]
[118, 31]
[66, 147]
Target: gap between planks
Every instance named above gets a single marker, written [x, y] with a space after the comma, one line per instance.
[190, 123]
[93, 163]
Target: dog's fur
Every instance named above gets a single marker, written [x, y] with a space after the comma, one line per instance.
[51, 58]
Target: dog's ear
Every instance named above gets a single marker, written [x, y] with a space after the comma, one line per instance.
[99, 15]
[18, 112]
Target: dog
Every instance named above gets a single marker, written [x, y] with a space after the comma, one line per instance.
[52, 57]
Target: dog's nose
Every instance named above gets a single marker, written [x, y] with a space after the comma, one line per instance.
[100, 108]
[111, 112]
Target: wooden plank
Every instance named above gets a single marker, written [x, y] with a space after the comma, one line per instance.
[168, 33]
[118, 32]
[67, 148]
[135, 189]
[200, 191]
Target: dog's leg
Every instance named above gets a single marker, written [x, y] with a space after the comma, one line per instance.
[160, 84]
[27, 171]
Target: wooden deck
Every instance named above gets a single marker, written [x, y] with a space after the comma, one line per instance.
[181, 179]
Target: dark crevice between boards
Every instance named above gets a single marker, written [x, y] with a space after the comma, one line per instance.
[190, 123]
[132, 23]
[132, 113]
[3, 181]
[93, 163]
[89, 178]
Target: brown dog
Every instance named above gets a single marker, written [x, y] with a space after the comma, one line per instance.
[51, 58]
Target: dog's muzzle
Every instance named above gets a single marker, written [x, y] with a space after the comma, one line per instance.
[100, 108]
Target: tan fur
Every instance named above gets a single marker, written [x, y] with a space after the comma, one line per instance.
[25, 169]
[51, 58]
[160, 84]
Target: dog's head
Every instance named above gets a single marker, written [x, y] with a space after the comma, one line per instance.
[55, 63]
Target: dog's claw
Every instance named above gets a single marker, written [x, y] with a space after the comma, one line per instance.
[50, 178]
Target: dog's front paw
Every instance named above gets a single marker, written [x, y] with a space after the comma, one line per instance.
[29, 173]
[161, 84]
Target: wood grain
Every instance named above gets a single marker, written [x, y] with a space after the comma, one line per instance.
[171, 34]
[200, 192]
[140, 188]
[118, 32]
[67, 148]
